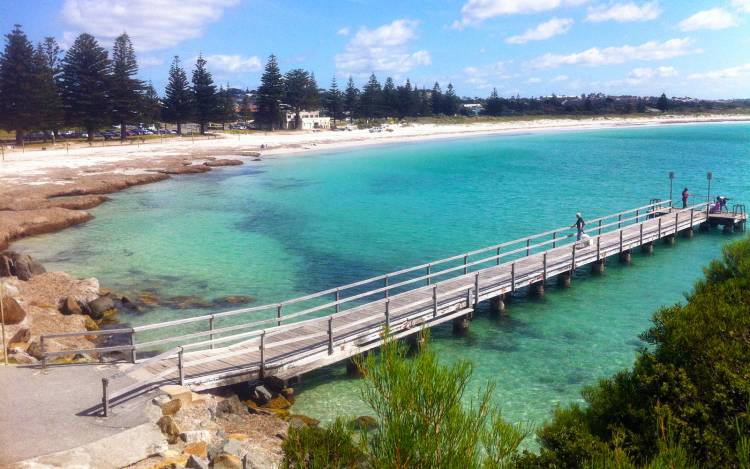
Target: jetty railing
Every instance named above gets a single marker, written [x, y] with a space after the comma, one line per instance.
[342, 298]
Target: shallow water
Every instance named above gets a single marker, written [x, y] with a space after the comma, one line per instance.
[294, 225]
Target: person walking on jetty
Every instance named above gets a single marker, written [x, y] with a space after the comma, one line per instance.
[685, 196]
[579, 224]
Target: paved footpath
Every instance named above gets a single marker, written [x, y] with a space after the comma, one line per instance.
[40, 413]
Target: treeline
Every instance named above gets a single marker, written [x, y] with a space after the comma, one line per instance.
[42, 89]
[298, 90]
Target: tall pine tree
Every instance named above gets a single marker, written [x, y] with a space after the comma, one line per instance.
[450, 103]
[19, 85]
[334, 102]
[47, 56]
[301, 93]
[204, 94]
[390, 105]
[437, 99]
[125, 87]
[86, 84]
[372, 97]
[270, 95]
[150, 109]
[178, 97]
[351, 99]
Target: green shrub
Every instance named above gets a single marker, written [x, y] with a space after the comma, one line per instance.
[331, 447]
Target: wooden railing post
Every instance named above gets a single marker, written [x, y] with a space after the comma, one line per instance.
[554, 240]
[387, 314]
[468, 297]
[278, 314]
[658, 236]
[105, 396]
[528, 249]
[429, 271]
[620, 240]
[466, 261]
[676, 222]
[600, 227]
[497, 261]
[513, 277]
[262, 371]
[637, 215]
[691, 217]
[476, 288]
[598, 248]
[180, 367]
[641, 234]
[573, 261]
[338, 298]
[132, 344]
[544, 266]
[434, 301]
[385, 281]
[211, 328]
[330, 333]
[619, 221]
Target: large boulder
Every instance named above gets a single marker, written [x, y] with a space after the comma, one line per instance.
[21, 336]
[25, 266]
[5, 266]
[70, 306]
[261, 395]
[99, 306]
[13, 313]
[169, 428]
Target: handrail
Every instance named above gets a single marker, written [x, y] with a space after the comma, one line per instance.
[524, 242]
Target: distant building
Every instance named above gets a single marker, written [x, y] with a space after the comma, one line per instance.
[474, 108]
[309, 120]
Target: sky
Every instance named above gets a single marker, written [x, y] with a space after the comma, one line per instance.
[696, 48]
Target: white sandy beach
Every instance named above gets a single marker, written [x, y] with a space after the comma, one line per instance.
[27, 166]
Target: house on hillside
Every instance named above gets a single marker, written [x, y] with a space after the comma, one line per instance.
[310, 120]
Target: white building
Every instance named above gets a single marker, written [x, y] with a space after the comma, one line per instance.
[310, 120]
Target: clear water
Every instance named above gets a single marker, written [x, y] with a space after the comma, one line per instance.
[294, 225]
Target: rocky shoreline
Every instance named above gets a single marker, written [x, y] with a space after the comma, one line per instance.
[27, 210]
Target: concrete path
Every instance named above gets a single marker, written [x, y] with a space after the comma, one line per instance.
[43, 413]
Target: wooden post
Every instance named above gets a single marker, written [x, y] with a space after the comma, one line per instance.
[386, 286]
[554, 238]
[132, 344]
[338, 298]
[476, 288]
[330, 333]
[676, 221]
[429, 271]
[513, 277]
[278, 314]
[600, 227]
[544, 267]
[262, 371]
[498, 257]
[658, 236]
[620, 240]
[388, 314]
[434, 301]
[211, 328]
[466, 260]
[468, 297]
[528, 243]
[641, 234]
[105, 397]
[573, 262]
[619, 221]
[180, 367]
[637, 215]
[598, 248]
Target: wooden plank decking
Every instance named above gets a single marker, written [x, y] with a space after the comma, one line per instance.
[292, 349]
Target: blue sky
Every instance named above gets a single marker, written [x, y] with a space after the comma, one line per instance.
[696, 48]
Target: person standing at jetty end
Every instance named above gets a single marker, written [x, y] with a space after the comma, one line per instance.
[579, 224]
[685, 196]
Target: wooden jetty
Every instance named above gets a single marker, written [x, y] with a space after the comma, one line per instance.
[296, 336]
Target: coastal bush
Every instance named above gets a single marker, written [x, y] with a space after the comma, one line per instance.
[423, 420]
[695, 375]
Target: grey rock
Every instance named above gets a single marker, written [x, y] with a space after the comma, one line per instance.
[235, 448]
[194, 462]
[193, 436]
[25, 266]
[99, 306]
[261, 394]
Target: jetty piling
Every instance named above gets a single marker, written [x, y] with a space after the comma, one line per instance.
[316, 331]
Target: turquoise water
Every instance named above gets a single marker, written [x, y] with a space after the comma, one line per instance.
[293, 225]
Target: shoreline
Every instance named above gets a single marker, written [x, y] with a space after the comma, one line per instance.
[49, 190]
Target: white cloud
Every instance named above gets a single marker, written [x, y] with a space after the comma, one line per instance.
[642, 74]
[151, 24]
[534, 80]
[344, 31]
[476, 11]
[624, 12]
[715, 18]
[228, 64]
[486, 76]
[742, 5]
[559, 78]
[383, 49]
[651, 50]
[545, 30]
[731, 73]
[145, 62]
